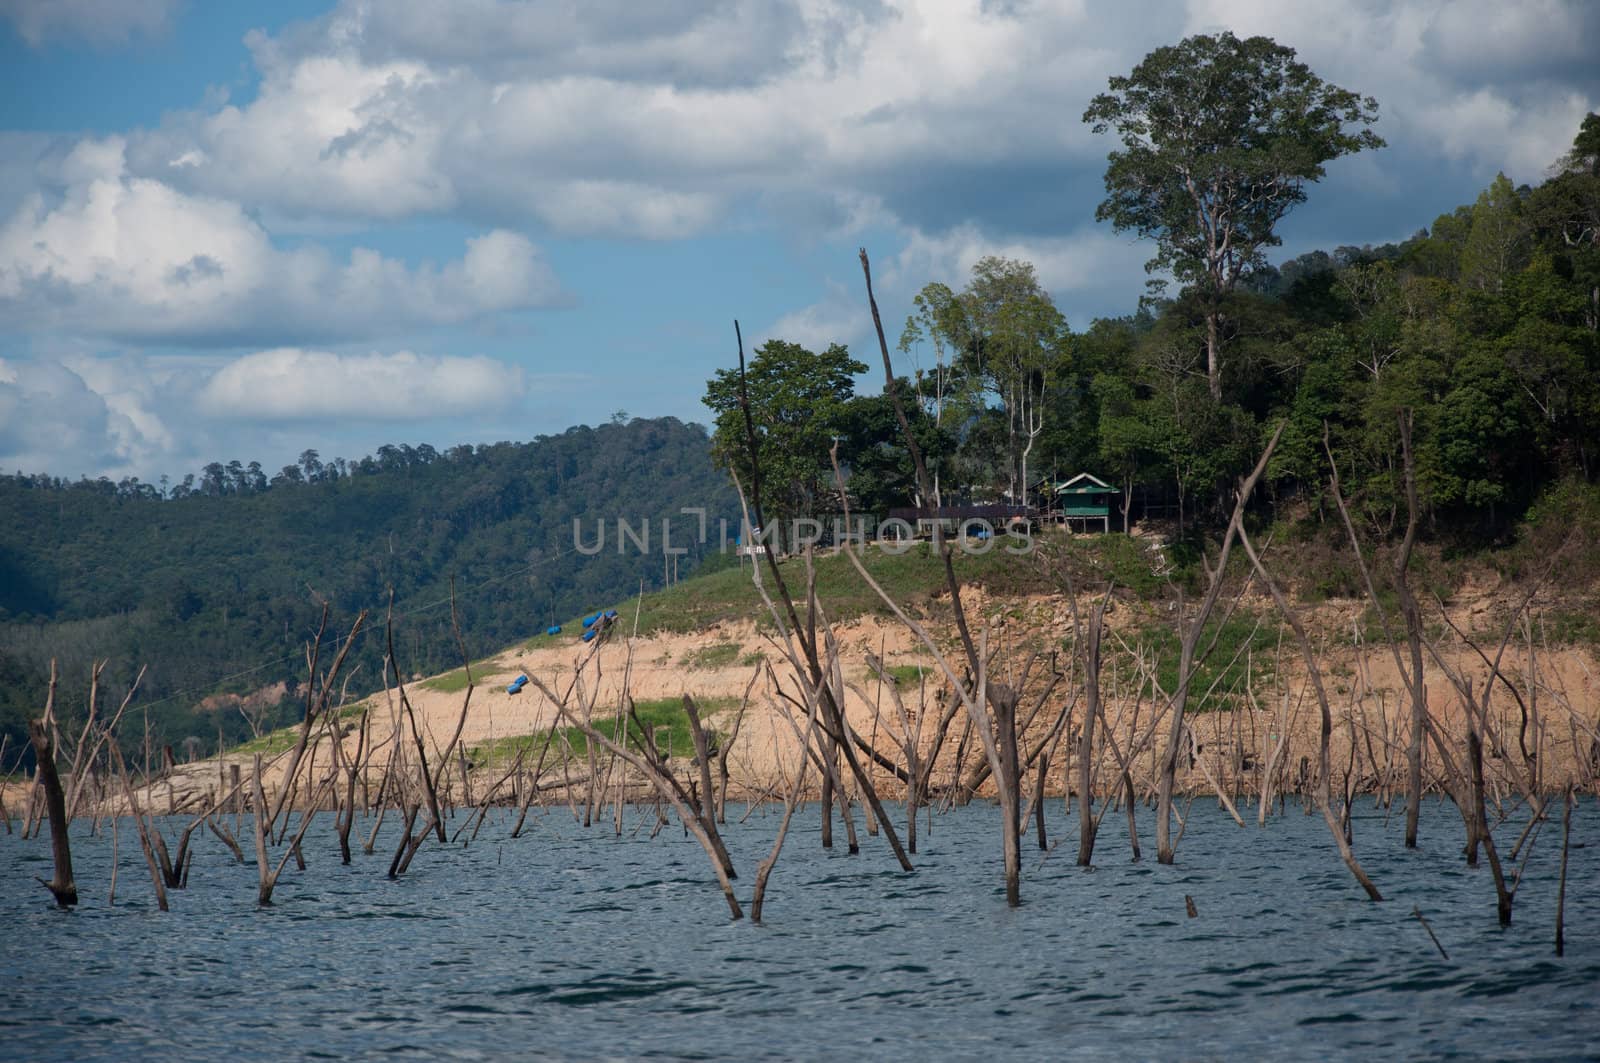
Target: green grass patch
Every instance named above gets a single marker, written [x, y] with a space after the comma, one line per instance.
[913, 578]
[913, 675]
[1130, 562]
[663, 718]
[456, 681]
[1569, 627]
[1242, 646]
[353, 712]
[270, 743]
[716, 655]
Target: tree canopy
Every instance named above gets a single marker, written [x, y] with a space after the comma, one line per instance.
[798, 405]
[1009, 341]
[1219, 138]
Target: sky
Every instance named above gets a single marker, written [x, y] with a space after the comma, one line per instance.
[243, 230]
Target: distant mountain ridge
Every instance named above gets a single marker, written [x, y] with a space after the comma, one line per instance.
[218, 590]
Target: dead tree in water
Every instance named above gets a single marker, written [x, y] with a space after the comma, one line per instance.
[267, 879]
[991, 708]
[145, 831]
[667, 786]
[411, 843]
[1412, 677]
[791, 800]
[725, 747]
[1469, 789]
[919, 763]
[832, 721]
[707, 807]
[319, 696]
[1088, 822]
[1314, 674]
[62, 886]
[353, 766]
[319, 706]
[81, 760]
[1191, 656]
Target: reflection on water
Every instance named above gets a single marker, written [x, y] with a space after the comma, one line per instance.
[568, 943]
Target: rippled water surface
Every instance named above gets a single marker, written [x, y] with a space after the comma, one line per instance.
[568, 943]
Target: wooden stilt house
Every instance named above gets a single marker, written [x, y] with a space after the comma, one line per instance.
[1085, 498]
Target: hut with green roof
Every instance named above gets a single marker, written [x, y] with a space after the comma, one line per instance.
[1086, 498]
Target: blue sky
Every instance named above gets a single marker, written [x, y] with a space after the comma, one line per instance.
[238, 231]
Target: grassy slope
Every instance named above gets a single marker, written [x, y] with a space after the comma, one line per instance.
[914, 579]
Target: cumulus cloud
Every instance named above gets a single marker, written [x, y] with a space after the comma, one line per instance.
[687, 41]
[47, 409]
[605, 118]
[838, 317]
[133, 257]
[290, 384]
[130, 413]
[100, 22]
[376, 111]
[1500, 85]
[1085, 271]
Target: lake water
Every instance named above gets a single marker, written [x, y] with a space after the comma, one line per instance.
[574, 944]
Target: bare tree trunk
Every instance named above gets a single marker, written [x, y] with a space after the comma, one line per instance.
[62, 885]
[792, 794]
[1561, 890]
[1088, 822]
[665, 786]
[1314, 674]
[1503, 897]
[1214, 354]
[826, 804]
[1008, 779]
[1166, 848]
[144, 831]
[708, 795]
[226, 838]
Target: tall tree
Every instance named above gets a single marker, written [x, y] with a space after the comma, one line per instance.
[1010, 341]
[1220, 137]
[1497, 233]
[798, 402]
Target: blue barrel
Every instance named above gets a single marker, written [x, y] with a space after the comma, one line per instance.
[591, 621]
[589, 635]
[553, 629]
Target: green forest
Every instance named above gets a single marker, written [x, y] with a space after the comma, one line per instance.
[1478, 337]
[218, 583]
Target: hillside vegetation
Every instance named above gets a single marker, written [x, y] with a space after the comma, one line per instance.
[219, 585]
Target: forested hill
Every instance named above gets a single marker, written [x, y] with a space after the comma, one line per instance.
[219, 588]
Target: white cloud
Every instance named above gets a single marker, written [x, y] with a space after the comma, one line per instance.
[134, 257]
[1082, 271]
[685, 40]
[1479, 39]
[100, 22]
[47, 410]
[129, 413]
[1501, 85]
[840, 316]
[378, 113]
[605, 118]
[290, 384]
[325, 134]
